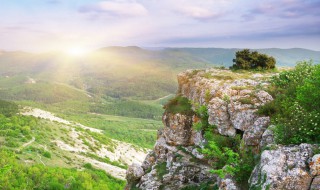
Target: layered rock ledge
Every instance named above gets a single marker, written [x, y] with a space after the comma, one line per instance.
[232, 100]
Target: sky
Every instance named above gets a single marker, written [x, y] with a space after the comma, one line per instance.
[54, 25]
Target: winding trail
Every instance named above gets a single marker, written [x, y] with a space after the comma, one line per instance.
[27, 143]
[41, 160]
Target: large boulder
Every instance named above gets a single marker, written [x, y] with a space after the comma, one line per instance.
[133, 174]
[252, 136]
[283, 168]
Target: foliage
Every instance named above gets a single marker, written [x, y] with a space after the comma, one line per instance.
[246, 101]
[295, 110]
[107, 160]
[252, 60]
[129, 108]
[308, 93]
[268, 109]
[226, 98]
[203, 123]
[180, 105]
[225, 161]
[16, 129]
[8, 108]
[140, 132]
[14, 175]
[161, 169]
[202, 186]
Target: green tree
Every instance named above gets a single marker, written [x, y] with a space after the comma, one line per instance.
[252, 60]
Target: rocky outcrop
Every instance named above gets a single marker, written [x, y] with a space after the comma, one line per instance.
[232, 100]
[286, 167]
[175, 162]
[315, 172]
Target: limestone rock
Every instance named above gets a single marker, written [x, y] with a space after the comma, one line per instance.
[283, 168]
[219, 116]
[177, 129]
[315, 165]
[228, 183]
[253, 135]
[134, 173]
[315, 185]
[267, 137]
[148, 161]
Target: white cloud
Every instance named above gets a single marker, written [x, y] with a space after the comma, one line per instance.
[119, 8]
[198, 12]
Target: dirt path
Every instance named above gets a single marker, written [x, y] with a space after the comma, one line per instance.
[35, 112]
[41, 160]
[112, 170]
[27, 143]
[163, 97]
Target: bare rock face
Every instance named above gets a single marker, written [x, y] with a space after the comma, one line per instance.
[253, 134]
[175, 161]
[267, 137]
[283, 168]
[232, 100]
[228, 183]
[178, 129]
[315, 172]
[315, 165]
[134, 173]
[315, 183]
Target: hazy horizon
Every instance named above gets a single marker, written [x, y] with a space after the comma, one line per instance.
[82, 25]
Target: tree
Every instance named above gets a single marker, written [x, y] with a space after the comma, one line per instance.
[252, 60]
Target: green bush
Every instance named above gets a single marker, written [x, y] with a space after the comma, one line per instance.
[308, 93]
[161, 169]
[46, 154]
[15, 175]
[179, 104]
[8, 108]
[252, 60]
[295, 110]
[224, 160]
[269, 109]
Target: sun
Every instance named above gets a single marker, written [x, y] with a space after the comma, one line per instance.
[77, 51]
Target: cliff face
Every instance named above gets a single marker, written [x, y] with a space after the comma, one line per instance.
[232, 100]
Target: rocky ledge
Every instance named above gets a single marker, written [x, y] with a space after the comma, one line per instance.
[232, 100]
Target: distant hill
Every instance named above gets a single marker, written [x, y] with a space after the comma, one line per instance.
[121, 72]
[221, 56]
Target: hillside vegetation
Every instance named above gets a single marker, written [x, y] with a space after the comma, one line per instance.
[29, 161]
[295, 112]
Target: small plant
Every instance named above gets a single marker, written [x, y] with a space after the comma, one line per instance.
[246, 101]
[267, 109]
[88, 166]
[226, 98]
[207, 96]
[161, 169]
[46, 154]
[225, 160]
[179, 104]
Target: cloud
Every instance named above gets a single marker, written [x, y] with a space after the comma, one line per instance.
[199, 13]
[285, 9]
[116, 8]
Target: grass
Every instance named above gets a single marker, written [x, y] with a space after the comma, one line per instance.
[161, 169]
[246, 101]
[180, 105]
[140, 132]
